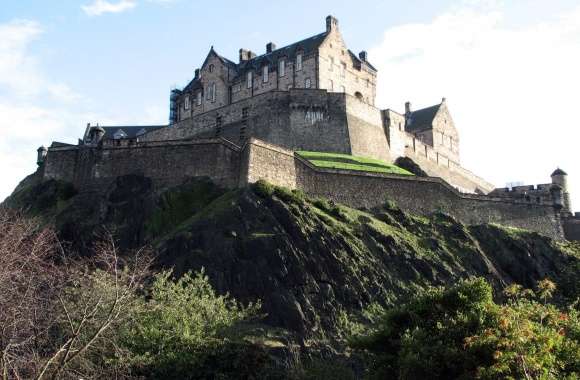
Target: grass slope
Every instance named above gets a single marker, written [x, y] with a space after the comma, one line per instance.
[348, 162]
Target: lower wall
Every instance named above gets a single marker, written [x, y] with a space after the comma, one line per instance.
[268, 162]
[424, 196]
[167, 163]
[572, 228]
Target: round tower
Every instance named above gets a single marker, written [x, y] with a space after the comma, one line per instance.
[560, 179]
[41, 155]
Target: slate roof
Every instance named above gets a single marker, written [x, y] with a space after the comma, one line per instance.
[559, 172]
[130, 131]
[306, 46]
[422, 119]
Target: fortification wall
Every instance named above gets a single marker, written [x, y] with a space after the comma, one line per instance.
[572, 227]
[167, 163]
[437, 165]
[268, 162]
[297, 119]
[365, 128]
[423, 196]
[413, 194]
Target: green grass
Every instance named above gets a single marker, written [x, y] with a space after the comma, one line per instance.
[348, 162]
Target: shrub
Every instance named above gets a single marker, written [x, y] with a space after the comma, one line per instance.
[183, 327]
[462, 333]
[263, 189]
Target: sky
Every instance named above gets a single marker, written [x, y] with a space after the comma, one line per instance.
[508, 69]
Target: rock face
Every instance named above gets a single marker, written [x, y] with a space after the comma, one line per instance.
[308, 261]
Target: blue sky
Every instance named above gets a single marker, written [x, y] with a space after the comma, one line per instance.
[508, 69]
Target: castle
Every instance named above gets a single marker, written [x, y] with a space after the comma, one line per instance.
[240, 122]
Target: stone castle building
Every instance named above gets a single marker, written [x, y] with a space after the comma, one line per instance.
[237, 122]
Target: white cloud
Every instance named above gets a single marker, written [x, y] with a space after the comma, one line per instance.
[512, 91]
[33, 109]
[99, 7]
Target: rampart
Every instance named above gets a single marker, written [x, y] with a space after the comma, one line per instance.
[171, 162]
[437, 165]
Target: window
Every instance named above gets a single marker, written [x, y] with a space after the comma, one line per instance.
[343, 69]
[307, 83]
[342, 89]
[299, 62]
[198, 100]
[265, 74]
[289, 86]
[218, 126]
[211, 68]
[186, 102]
[245, 112]
[213, 92]
[249, 79]
[368, 83]
[330, 85]
[331, 60]
[281, 68]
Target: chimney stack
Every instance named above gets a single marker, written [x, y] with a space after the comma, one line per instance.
[363, 56]
[270, 47]
[197, 73]
[331, 24]
[246, 55]
[407, 108]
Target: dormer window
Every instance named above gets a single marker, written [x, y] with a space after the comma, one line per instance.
[281, 68]
[249, 79]
[299, 62]
[186, 102]
[120, 134]
[265, 74]
[141, 132]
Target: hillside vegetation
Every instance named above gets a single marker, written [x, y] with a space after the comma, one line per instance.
[321, 271]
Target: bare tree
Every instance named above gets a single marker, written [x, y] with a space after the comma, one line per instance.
[59, 317]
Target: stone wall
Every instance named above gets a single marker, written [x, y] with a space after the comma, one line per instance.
[438, 165]
[267, 162]
[423, 196]
[365, 128]
[167, 163]
[572, 227]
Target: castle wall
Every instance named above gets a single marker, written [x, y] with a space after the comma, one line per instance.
[365, 129]
[296, 120]
[167, 163]
[417, 195]
[572, 228]
[424, 196]
[437, 165]
[394, 126]
[268, 162]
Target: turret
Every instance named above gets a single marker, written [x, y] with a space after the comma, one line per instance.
[41, 156]
[560, 180]
[96, 134]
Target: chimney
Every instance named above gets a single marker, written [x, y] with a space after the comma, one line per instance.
[443, 100]
[246, 55]
[363, 56]
[197, 73]
[331, 24]
[407, 108]
[270, 47]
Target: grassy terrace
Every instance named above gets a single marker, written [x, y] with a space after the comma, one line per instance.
[348, 162]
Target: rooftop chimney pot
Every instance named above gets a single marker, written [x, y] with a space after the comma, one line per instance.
[331, 23]
[270, 47]
[407, 107]
[363, 56]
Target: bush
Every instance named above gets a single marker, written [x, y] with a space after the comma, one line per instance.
[462, 333]
[263, 189]
[183, 327]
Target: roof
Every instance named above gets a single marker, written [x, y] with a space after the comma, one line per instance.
[422, 119]
[305, 46]
[130, 131]
[559, 172]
